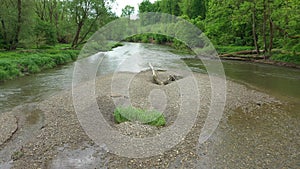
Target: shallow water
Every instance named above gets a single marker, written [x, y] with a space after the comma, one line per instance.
[268, 138]
[279, 81]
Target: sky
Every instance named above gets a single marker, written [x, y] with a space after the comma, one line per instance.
[120, 4]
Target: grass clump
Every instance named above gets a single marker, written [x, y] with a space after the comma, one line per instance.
[152, 117]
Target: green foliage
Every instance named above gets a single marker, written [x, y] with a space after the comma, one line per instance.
[115, 45]
[194, 8]
[3, 74]
[233, 25]
[286, 57]
[127, 11]
[147, 6]
[45, 33]
[170, 7]
[231, 49]
[16, 22]
[122, 114]
[17, 63]
[24, 23]
[296, 48]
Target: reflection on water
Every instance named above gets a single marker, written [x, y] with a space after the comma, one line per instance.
[132, 57]
[270, 134]
[279, 81]
[34, 88]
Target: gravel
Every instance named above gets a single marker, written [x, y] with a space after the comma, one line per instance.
[60, 142]
[8, 126]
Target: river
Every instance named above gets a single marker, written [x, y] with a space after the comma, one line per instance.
[276, 81]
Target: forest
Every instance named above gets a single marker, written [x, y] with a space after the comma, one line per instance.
[34, 32]
[271, 28]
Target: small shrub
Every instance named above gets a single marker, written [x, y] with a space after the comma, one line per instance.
[154, 118]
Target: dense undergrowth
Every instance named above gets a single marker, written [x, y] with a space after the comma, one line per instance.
[21, 62]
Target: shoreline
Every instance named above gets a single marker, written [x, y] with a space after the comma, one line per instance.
[28, 62]
[252, 59]
[262, 61]
[60, 137]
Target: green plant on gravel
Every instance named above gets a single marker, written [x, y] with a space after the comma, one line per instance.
[150, 117]
[17, 155]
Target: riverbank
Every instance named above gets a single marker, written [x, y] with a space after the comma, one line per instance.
[274, 60]
[60, 140]
[239, 53]
[247, 53]
[14, 64]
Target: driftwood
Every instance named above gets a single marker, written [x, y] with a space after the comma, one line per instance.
[158, 81]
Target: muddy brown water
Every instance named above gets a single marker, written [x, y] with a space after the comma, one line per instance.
[267, 138]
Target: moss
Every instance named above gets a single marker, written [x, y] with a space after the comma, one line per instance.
[154, 118]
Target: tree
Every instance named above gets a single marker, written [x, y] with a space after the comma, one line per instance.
[194, 8]
[127, 11]
[170, 7]
[147, 6]
[45, 34]
[254, 34]
[85, 14]
[14, 23]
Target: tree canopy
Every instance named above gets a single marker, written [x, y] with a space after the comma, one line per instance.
[262, 24]
[46, 22]
[127, 11]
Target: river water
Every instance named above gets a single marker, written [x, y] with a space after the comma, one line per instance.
[280, 82]
[274, 80]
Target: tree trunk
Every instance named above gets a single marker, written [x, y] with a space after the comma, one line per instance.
[264, 29]
[271, 35]
[4, 33]
[15, 41]
[76, 38]
[254, 29]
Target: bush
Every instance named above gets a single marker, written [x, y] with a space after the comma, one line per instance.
[154, 118]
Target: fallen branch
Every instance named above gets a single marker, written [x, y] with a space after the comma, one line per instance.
[158, 81]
